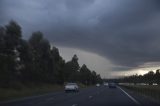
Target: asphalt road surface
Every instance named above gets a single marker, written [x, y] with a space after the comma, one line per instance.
[94, 96]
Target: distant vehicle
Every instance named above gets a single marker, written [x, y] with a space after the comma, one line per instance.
[97, 85]
[105, 84]
[71, 87]
[112, 85]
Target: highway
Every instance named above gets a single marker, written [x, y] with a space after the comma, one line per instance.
[93, 96]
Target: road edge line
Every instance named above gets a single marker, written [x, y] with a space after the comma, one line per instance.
[133, 99]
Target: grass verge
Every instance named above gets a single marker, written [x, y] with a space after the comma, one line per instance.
[19, 90]
[23, 91]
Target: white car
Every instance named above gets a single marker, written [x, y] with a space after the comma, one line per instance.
[71, 87]
[97, 85]
[105, 84]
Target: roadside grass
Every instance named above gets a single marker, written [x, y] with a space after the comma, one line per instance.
[83, 86]
[20, 90]
[147, 90]
[23, 91]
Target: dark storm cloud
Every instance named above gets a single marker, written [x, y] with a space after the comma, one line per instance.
[124, 31]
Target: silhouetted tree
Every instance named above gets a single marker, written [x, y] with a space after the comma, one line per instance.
[57, 65]
[33, 60]
[26, 62]
[157, 77]
[10, 36]
[40, 48]
[71, 69]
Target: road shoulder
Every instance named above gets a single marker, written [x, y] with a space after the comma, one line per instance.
[142, 99]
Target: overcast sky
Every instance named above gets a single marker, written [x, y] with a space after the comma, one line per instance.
[122, 35]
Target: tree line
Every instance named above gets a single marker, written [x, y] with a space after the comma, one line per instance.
[149, 78]
[35, 60]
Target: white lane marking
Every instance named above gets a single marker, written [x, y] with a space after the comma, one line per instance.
[129, 96]
[75, 105]
[90, 97]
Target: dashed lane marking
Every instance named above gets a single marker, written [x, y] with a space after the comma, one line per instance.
[90, 97]
[75, 105]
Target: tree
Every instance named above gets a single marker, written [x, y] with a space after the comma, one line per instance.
[157, 76]
[2, 40]
[26, 62]
[42, 62]
[3, 59]
[149, 77]
[10, 37]
[13, 35]
[58, 65]
[94, 77]
[33, 60]
[71, 69]
[85, 75]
